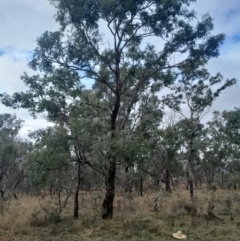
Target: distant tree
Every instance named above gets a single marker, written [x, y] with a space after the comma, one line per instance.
[51, 165]
[171, 145]
[194, 92]
[12, 154]
[106, 41]
[223, 133]
[60, 152]
[232, 126]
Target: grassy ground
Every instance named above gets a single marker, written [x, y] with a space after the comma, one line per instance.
[215, 216]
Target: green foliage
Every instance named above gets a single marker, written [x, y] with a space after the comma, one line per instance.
[232, 126]
[13, 151]
[67, 56]
[50, 157]
[194, 88]
[221, 146]
[118, 118]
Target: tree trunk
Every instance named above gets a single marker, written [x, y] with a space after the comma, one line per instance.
[190, 182]
[190, 163]
[222, 179]
[107, 206]
[1, 193]
[127, 181]
[187, 183]
[76, 203]
[195, 183]
[168, 183]
[200, 182]
[191, 189]
[141, 186]
[234, 186]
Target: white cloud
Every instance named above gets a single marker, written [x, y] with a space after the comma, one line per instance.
[225, 14]
[30, 124]
[226, 17]
[22, 21]
[12, 66]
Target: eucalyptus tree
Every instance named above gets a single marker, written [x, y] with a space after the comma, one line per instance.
[49, 164]
[193, 93]
[107, 41]
[184, 132]
[61, 152]
[214, 149]
[232, 132]
[144, 125]
[55, 163]
[232, 126]
[169, 146]
[210, 155]
[12, 152]
[88, 132]
[223, 130]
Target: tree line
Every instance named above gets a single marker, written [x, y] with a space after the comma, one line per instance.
[111, 133]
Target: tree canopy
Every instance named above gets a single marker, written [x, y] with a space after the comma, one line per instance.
[108, 42]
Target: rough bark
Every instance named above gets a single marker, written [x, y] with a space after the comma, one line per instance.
[141, 186]
[187, 178]
[234, 186]
[76, 203]
[160, 193]
[127, 181]
[191, 189]
[190, 163]
[190, 182]
[222, 179]
[107, 206]
[168, 181]
[1, 193]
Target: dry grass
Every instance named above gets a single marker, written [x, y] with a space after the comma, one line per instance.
[215, 216]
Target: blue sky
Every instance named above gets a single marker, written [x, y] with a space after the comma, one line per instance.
[23, 21]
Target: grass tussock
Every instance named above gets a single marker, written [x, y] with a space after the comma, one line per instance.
[214, 215]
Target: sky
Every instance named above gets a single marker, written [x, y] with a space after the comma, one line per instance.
[23, 21]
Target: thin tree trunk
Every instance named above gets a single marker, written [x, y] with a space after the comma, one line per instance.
[127, 181]
[168, 183]
[222, 179]
[190, 163]
[160, 192]
[234, 186]
[141, 186]
[76, 203]
[187, 183]
[1, 193]
[191, 189]
[190, 182]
